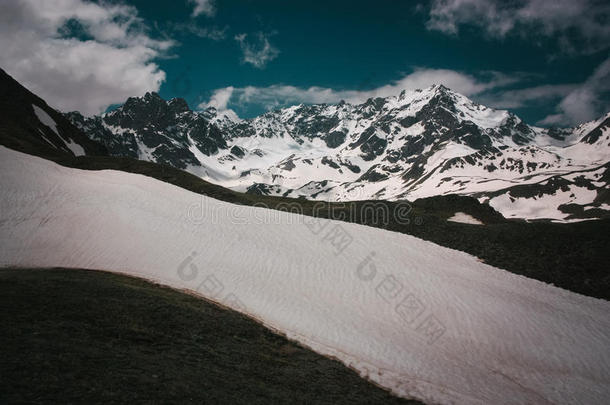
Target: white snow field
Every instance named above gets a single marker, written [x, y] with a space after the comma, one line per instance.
[422, 320]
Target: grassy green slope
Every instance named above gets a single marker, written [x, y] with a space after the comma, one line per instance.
[90, 337]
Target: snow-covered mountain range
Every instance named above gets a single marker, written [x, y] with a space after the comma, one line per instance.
[417, 144]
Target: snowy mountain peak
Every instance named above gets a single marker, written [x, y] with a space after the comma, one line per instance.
[415, 144]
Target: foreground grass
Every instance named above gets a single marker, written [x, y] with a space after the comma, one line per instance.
[88, 337]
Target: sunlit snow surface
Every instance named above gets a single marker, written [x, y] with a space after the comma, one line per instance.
[422, 320]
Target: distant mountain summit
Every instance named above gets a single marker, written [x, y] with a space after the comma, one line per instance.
[417, 144]
[150, 128]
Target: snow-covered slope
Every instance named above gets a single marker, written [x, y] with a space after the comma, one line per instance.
[417, 144]
[422, 320]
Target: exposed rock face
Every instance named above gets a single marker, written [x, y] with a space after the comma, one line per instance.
[28, 124]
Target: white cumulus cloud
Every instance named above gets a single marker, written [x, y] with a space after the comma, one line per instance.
[205, 7]
[524, 97]
[580, 25]
[110, 58]
[257, 51]
[220, 100]
[192, 28]
[586, 101]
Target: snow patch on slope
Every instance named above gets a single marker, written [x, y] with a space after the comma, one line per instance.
[45, 118]
[75, 148]
[464, 219]
[543, 206]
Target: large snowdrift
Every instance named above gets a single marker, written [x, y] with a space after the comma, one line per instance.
[422, 320]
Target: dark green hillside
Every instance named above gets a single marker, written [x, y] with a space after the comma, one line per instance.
[20, 128]
[75, 336]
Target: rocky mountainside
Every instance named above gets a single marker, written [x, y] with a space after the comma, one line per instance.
[416, 144]
[30, 125]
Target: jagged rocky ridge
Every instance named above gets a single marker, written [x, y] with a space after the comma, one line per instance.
[417, 144]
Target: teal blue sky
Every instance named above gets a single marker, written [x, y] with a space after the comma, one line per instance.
[547, 61]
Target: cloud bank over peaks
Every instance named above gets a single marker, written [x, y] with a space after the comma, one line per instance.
[585, 101]
[280, 95]
[219, 100]
[576, 102]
